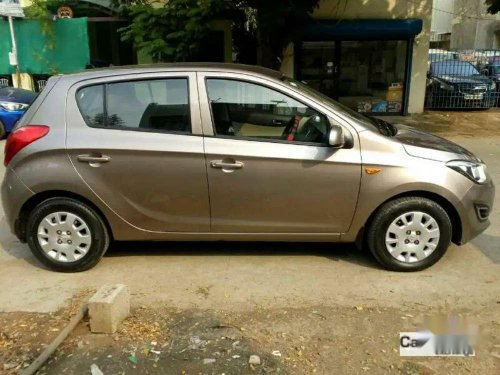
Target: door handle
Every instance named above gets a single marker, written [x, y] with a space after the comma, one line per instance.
[226, 165]
[93, 158]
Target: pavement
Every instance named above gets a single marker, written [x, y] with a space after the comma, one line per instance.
[275, 275]
[244, 277]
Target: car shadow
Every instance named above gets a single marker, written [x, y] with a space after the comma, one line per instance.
[332, 251]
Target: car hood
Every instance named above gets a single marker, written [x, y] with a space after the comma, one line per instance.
[421, 144]
[464, 79]
[11, 94]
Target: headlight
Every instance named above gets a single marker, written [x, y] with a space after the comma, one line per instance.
[11, 106]
[446, 86]
[474, 171]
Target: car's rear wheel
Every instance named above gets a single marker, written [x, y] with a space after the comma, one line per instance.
[66, 235]
[409, 234]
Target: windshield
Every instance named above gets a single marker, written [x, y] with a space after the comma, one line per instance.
[371, 123]
[455, 68]
[495, 69]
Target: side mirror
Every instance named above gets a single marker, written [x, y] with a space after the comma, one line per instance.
[336, 137]
[485, 72]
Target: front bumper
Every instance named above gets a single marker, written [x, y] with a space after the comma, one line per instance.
[473, 223]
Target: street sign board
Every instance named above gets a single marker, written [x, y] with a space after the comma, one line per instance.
[11, 8]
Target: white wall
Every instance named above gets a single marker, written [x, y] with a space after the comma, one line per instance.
[473, 27]
[442, 18]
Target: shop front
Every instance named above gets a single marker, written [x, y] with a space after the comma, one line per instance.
[364, 64]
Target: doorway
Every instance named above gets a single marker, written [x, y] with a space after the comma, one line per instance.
[318, 66]
[366, 75]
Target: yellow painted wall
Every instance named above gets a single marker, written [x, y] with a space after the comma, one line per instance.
[383, 9]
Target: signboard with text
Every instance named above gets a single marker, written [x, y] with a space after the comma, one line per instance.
[11, 8]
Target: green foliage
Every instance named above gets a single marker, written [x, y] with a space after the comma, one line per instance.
[40, 10]
[170, 31]
[275, 24]
[493, 6]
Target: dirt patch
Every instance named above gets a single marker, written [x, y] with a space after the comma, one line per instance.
[466, 123]
[297, 341]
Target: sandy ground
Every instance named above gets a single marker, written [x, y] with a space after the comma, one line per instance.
[321, 306]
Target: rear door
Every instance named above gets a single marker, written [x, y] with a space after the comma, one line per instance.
[136, 142]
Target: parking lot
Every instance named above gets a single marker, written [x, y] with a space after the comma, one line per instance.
[260, 282]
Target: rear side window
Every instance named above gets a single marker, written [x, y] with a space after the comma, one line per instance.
[151, 105]
[91, 103]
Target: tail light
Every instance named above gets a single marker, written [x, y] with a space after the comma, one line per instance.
[20, 138]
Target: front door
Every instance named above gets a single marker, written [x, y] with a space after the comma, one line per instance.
[269, 167]
[136, 142]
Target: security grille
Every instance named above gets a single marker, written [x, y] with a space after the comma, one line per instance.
[463, 79]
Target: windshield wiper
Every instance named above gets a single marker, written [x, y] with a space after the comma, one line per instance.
[384, 127]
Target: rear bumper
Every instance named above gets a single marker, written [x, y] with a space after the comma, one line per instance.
[14, 195]
[473, 222]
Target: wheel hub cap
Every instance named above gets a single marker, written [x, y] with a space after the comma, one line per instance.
[64, 236]
[412, 236]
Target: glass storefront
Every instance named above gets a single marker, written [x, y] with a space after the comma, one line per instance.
[368, 76]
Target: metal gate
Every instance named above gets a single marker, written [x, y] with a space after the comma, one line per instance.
[463, 79]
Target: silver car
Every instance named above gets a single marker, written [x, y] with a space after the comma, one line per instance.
[212, 152]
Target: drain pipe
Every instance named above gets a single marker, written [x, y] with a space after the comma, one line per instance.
[51, 348]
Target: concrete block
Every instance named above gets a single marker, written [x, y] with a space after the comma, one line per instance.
[108, 307]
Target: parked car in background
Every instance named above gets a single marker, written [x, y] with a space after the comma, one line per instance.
[477, 58]
[441, 55]
[493, 72]
[458, 84]
[229, 152]
[13, 104]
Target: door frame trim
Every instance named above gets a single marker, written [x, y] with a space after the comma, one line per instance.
[272, 84]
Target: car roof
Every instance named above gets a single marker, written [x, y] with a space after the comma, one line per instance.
[185, 66]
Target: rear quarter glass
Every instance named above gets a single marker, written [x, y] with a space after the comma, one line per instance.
[33, 108]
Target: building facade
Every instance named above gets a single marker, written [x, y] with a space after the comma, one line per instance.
[369, 55]
[473, 27]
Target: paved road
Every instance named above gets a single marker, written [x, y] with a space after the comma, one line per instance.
[242, 276]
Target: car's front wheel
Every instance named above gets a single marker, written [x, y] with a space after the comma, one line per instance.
[66, 235]
[409, 234]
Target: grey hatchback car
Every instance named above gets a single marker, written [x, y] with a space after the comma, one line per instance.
[211, 152]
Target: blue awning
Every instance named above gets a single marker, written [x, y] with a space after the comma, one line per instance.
[363, 29]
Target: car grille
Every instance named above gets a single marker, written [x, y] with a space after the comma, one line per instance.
[472, 88]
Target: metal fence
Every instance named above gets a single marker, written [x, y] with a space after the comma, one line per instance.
[463, 79]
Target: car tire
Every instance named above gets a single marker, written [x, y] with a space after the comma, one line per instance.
[3, 132]
[402, 235]
[66, 235]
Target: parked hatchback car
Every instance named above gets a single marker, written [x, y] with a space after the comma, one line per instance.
[212, 152]
[458, 84]
[13, 103]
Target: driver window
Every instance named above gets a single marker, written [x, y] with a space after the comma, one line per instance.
[247, 110]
